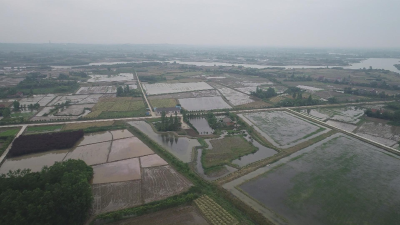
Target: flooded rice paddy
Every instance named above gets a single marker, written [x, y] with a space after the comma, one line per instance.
[204, 103]
[34, 162]
[166, 88]
[128, 148]
[92, 154]
[328, 183]
[344, 126]
[348, 114]
[118, 134]
[281, 128]
[180, 147]
[95, 138]
[201, 125]
[234, 97]
[123, 170]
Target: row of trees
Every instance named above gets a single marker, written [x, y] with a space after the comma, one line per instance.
[60, 194]
[260, 93]
[168, 124]
[127, 92]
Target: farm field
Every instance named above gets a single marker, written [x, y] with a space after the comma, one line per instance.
[111, 78]
[78, 126]
[119, 134]
[128, 148]
[214, 212]
[330, 183]
[114, 196]
[203, 103]
[118, 107]
[34, 162]
[161, 103]
[184, 214]
[74, 110]
[348, 114]
[234, 97]
[92, 154]
[180, 147]
[97, 137]
[152, 161]
[166, 88]
[282, 129]
[162, 182]
[191, 94]
[345, 126]
[225, 150]
[380, 132]
[39, 129]
[97, 90]
[123, 170]
[201, 125]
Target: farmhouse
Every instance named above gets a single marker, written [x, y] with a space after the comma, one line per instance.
[168, 110]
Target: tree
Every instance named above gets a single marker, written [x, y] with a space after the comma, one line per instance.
[120, 91]
[16, 105]
[6, 113]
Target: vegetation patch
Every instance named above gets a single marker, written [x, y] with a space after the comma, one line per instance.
[60, 194]
[79, 126]
[161, 103]
[214, 212]
[26, 144]
[225, 150]
[118, 107]
[39, 129]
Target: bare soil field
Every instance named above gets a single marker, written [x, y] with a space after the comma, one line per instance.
[152, 161]
[123, 170]
[128, 148]
[162, 182]
[116, 196]
[188, 215]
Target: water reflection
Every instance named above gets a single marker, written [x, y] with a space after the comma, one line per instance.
[181, 147]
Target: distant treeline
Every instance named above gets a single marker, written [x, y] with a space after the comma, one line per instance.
[26, 144]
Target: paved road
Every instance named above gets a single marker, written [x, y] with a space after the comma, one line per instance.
[234, 111]
[144, 95]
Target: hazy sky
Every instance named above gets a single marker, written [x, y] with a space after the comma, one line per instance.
[291, 23]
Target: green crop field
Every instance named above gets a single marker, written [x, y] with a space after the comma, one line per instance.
[225, 150]
[159, 103]
[118, 107]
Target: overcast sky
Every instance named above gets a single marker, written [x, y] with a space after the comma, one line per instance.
[289, 23]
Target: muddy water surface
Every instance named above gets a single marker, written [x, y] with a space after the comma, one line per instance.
[128, 148]
[91, 154]
[34, 162]
[181, 147]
